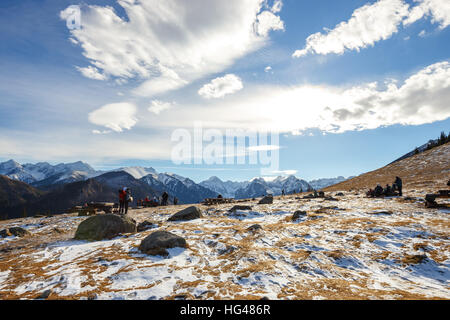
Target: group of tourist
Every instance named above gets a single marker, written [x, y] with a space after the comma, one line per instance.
[388, 191]
[155, 202]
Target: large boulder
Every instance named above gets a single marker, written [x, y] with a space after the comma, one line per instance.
[14, 231]
[105, 226]
[157, 243]
[190, 213]
[266, 200]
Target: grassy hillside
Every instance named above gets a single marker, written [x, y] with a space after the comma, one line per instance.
[428, 171]
[15, 193]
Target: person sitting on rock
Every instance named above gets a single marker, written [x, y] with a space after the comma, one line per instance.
[378, 192]
[370, 193]
[387, 191]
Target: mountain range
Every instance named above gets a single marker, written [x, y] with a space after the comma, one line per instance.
[44, 188]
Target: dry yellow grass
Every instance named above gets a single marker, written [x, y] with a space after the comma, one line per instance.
[425, 171]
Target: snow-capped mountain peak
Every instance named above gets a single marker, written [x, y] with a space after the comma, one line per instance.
[137, 172]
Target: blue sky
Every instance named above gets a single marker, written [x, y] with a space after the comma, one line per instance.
[348, 86]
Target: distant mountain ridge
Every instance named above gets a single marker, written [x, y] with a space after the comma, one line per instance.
[256, 187]
[326, 182]
[43, 174]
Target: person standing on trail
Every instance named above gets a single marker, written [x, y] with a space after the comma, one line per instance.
[399, 184]
[175, 201]
[122, 198]
[282, 192]
[165, 197]
[128, 199]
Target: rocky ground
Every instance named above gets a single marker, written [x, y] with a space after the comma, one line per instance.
[352, 248]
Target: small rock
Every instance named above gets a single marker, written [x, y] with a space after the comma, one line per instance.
[157, 243]
[14, 231]
[298, 214]
[238, 207]
[339, 194]
[266, 200]
[146, 225]
[381, 212]
[227, 249]
[190, 213]
[44, 295]
[254, 227]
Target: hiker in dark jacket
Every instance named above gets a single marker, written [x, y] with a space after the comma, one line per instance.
[175, 201]
[128, 199]
[398, 185]
[165, 197]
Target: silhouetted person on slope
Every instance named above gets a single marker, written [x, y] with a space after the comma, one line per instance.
[398, 184]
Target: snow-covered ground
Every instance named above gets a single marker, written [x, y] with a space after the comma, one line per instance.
[354, 248]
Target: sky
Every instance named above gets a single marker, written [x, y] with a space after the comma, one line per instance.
[345, 86]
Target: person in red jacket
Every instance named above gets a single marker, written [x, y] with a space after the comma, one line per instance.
[122, 200]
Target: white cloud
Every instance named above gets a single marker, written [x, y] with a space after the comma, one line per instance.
[439, 10]
[374, 22]
[159, 106]
[115, 116]
[91, 73]
[267, 21]
[101, 131]
[421, 98]
[268, 69]
[220, 87]
[168, 44]
[168, 80]
[368, 24]
[422, 34]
